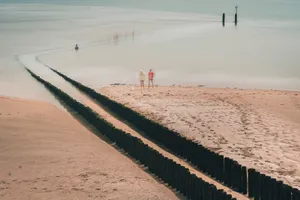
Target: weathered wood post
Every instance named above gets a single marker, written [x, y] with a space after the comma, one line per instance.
[236, 15]
[223, 19]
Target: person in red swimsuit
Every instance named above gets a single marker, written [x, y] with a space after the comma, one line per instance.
[150, 78]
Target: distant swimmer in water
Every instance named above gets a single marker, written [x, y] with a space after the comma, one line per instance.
[76, 47]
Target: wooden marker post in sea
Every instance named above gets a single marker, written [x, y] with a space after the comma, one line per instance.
[223, 19]
[236, 15]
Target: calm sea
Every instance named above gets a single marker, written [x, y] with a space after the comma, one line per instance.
[183, 41]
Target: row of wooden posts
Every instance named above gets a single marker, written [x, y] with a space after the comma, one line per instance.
[229, 172]
[171, 173]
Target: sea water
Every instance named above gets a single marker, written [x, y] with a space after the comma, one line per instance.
[182, 41]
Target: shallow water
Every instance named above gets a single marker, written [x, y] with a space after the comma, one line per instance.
[185, 46]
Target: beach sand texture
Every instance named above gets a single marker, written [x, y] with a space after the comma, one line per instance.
[46, 154]
[258, 128]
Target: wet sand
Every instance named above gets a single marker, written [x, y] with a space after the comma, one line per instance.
[46, 154]
[258, 128]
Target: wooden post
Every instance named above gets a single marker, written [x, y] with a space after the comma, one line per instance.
[235, 19]
[236, 15]
[223, 19]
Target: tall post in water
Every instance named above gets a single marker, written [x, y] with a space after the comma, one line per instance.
[236, 15]
[223, 19]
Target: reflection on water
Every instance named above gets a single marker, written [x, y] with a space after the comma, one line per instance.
[246, 56]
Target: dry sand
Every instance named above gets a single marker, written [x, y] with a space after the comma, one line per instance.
[258, 128]
[46, 154]
[121, 125]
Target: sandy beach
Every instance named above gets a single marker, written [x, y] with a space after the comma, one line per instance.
[47, 154]
[258, 128]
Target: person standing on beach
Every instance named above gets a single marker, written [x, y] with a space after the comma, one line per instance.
[142, 79]
[150, 78]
